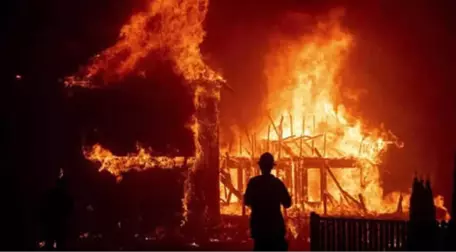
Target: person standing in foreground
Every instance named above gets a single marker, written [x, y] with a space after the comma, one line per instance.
[264, 195]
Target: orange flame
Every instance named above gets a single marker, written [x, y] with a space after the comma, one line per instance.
[173, 27]
[302, 77]
[440, 205]
[141, 160]
[303, 72]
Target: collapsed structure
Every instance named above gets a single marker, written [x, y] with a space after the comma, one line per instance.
[326, 157]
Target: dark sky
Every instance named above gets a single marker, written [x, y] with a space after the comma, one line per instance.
[404, 58]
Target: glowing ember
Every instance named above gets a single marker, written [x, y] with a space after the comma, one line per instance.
[141, 160]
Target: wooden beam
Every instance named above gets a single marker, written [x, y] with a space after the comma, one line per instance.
[280, 138]
[291, 124]
[225, 178]
[307, 162]
[313, 132]
[346, 195]
[273, 125]
[361, 201]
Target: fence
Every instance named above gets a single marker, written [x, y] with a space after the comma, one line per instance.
[343, 234]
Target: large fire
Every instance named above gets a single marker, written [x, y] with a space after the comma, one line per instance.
[302, 118]
[304, 121]
[173, 28]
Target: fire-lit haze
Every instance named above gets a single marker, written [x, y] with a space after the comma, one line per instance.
[300, 113]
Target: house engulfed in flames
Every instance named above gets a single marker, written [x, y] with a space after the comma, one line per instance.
[327, 159]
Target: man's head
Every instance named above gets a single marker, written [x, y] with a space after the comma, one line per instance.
[266, 163]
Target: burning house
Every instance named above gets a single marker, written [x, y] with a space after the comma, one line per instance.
[328, 159]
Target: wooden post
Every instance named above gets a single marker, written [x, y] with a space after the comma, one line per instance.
[203, 183]
[323, 186]
[267, 141]
[301, 163]
[294, 180]
[240, 145]
[361, 182]
[324, 146]
[324, 137]
[314, 232]
[381, 237]
[280, 138]
[253, 145]
[341, 234]
[313, 133]
[291, 123]
[351, 235]
[333, 241]
[242, 200]
[225, 167]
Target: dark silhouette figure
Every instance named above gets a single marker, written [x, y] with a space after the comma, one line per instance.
[264, 195]
[422, 224]
[57, 207]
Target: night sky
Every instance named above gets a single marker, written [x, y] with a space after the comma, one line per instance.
[404, 58]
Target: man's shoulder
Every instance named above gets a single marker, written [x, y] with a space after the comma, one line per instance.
[259, 178]
[255, 179]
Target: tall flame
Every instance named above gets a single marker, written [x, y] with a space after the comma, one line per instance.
[302, 72]
[302, 76]
[174, 27]
[308, 68]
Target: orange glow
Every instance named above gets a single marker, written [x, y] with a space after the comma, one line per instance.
[173, 28]
[170, 26]
[303, 83]
[302, 78]
[440, 204]
[313, 181]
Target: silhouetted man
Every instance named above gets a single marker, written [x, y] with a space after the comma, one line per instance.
[58, 205]
[264, 195]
